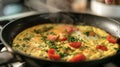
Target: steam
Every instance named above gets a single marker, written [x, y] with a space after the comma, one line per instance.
[54, 7]
[42, 7]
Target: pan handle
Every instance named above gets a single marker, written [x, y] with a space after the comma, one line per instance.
[1, 27]
[7, 56]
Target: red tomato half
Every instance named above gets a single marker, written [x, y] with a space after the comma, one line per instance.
[63, 39]
[78, 57]
[53, 55]
[75, 44]
[51, 51]
[111, 39]
[101, 47]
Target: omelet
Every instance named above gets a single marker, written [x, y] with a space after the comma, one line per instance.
[66, 42]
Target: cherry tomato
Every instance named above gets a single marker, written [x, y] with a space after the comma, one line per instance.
[51, 51]
[101, 47]
[111, 39]
[78, 57]
[63, 39]
[75, 44]
[53, 55]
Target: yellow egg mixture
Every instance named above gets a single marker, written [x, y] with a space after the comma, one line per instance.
[65, 42]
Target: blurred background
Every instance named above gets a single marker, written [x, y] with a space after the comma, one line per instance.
[12, 9]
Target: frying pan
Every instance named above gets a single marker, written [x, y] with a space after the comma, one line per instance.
[10, 30]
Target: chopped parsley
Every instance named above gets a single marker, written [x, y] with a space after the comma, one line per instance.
[23, 45]
[44, 38]
[87, 33]
[26, 38]
[72, 39]
[116, 48]
[52, 33]
[63, 54]
[52, 44]
[17, 45]
[45, 28]
[37, 31]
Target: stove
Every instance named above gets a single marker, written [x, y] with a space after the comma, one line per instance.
[113, 63]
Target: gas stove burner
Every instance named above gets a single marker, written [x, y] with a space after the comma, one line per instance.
[15, 64]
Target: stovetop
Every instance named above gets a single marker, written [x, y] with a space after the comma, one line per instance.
[113, 63]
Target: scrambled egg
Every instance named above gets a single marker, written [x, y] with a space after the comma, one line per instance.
[63, 42]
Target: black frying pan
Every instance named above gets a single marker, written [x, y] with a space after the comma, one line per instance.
[11, 29]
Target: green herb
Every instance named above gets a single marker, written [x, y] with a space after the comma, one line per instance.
[37, 31]
[29, 36]
[26, 39]
[23, 45]
[86, 33]
[19, 39]
[17, 45]
[71, 39]
[45, 28]
[44, 38]
[52, 33]
[52, 44]
[77, 40]
[116, 48]
[41, 46]
[63, 54]
[67, 48]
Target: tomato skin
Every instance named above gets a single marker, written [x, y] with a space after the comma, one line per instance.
[63, 39]
[101, 47]
[53, 55]
[111, 39]
[78, 58]
[69, 29]
[52, 37]
[75, 44]
[51, 51]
